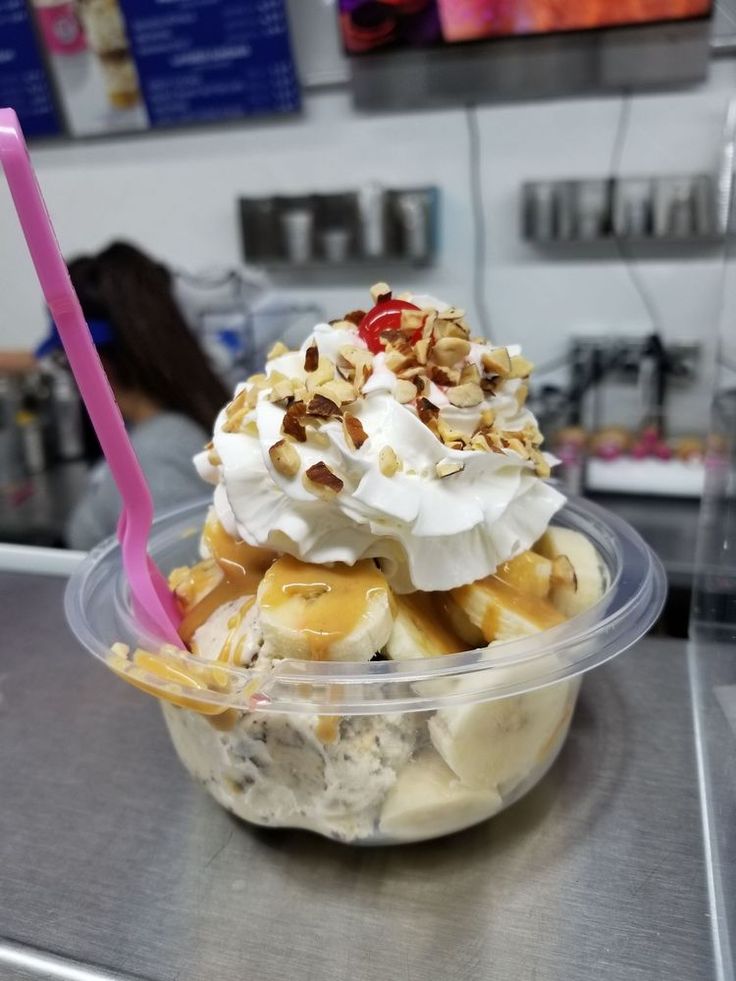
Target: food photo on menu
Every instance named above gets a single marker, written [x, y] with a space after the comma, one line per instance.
[88, 50]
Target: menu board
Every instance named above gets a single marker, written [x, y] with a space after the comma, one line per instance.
[23, 81]
[200, 60]
[126, 65]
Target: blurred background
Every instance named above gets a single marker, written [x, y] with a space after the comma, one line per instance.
[561, 171]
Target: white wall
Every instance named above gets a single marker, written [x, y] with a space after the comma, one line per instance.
[175, 194]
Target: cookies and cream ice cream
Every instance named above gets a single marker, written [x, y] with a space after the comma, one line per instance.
[378, 494]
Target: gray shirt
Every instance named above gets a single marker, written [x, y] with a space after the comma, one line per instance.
[165, 445]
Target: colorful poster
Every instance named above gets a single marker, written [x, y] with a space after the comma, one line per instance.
[89, 56]
[204, 60]
[23, 81]
[370, 24]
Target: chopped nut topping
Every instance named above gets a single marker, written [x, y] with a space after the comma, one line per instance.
[452, 313]
[395, 340]
[421, 349]
[532, 435]
[563, 573]
[470, 373]
[445, 468]
[338, 390]
[421, 383]
[239, 402]
[520, 367]
[282, 393]
[324, 372]
[515, 444]
[479, 441]
[411, 372]
[429, 321]
[321, 476]
[355, 364]
[284, 458]
[449, 351]
[277, 350]
[396, 361]
[447, 377]
[388, 462]
[213, 457]
[380, 292]
[464, 396]
[250, 428]
[427, 411]
[404, 391]
[449, 328]
[322, 407]
[412, 321]
[354, 317]
[449, 435]
[540, 464]
[292, 424]
[311, 358]
[232, 425]
[429, 348]
[355, 435]
[341, 324]
[496, 362]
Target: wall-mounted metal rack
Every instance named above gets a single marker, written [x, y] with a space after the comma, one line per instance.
[350, 229]
[658, 210]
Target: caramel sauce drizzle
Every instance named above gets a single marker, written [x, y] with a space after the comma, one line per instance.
[242, 567]
[425, 612]
[536, 610]
[337, 598]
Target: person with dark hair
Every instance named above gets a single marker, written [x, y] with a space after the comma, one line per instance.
[167, 392]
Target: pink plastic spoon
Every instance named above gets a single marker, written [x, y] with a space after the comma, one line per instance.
[154, 603]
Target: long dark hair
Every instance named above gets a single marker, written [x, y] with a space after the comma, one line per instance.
[153, 350]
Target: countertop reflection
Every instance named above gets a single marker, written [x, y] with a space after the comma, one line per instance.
[112, 858]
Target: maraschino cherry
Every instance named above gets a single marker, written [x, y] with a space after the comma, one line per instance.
[385, 315]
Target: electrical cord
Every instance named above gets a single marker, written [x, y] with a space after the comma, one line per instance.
[632, 270]
[479, 218]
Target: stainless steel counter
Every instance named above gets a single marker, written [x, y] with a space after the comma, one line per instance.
[668, 525]
[38, 511]
[111, 858]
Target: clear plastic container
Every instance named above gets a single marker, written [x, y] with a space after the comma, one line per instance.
[379, 752]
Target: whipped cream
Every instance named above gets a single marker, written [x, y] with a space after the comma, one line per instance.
[428, 532]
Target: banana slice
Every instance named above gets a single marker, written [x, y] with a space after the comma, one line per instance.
[497, 744]
[421, 629]
[428, 800]
[577, 593]
[320, 612]
[528, 572]
[503, 612]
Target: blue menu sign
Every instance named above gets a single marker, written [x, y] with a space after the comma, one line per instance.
[23, 81]
[201, 60]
